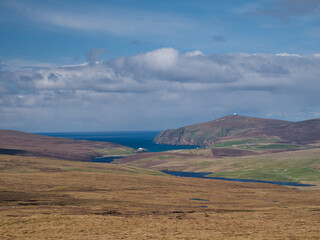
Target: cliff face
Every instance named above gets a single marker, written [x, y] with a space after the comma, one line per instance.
[182, 136]
[230, 127]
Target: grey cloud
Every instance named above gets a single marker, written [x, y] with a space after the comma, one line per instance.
[53, 77]
[166, 68]
[164, 86]
[37, 76]
[93, 55]
[26, 78]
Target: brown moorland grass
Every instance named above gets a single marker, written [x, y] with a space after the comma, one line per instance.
[55, 199]
[27, 144]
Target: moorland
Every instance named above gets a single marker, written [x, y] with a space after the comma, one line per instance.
[47, 196]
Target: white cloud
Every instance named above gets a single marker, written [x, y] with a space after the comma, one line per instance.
[160, 59]
[194, 53]
[287, 55]
[160, 89]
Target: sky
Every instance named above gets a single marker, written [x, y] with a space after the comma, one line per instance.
[132, 65]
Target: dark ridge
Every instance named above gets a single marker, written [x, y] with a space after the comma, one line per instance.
[27, 144]
[231, 152]
[12, 151]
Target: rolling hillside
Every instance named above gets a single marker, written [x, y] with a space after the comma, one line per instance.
[27, 144]
[243, 130]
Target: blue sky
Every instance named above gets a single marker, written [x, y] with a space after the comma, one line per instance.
[62, 31]
[145, 65]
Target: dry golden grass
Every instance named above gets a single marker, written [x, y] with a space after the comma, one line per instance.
[53, 199]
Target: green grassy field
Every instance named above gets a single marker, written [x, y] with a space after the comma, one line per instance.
[245, 141]
[301, 166]
[296, 166]
[258, 144]
[119, 151]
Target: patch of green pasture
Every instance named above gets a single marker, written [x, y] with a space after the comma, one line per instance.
[140, 162]
[164, 157]
[303, 174]
[205, 163]
[284, 175]
[293, 166]
[122, 151]
[267, 176]
[258, 140]
[278, 146]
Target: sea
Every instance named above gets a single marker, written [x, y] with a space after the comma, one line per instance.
[134, 139]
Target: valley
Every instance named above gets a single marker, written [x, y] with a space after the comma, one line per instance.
[51, 189]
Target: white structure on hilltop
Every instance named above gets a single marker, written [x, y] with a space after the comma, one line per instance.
[234, 114]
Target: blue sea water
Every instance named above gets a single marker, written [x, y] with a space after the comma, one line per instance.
[139, 139]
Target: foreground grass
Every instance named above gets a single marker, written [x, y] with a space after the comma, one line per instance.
[51, 199]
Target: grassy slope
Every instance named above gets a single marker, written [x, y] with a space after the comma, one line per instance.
[259, 144]
[295, 166]
[119, 151]
[50, 199]
[26, 144]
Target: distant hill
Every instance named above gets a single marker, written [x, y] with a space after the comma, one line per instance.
[235, 129]
[27, 144]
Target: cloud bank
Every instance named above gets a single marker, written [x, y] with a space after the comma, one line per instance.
[158, 89]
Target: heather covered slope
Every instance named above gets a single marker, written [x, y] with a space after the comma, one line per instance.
[241, 127]
[56, 199]
[27, 144]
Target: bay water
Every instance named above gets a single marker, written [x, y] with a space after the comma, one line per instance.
[134, 139]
